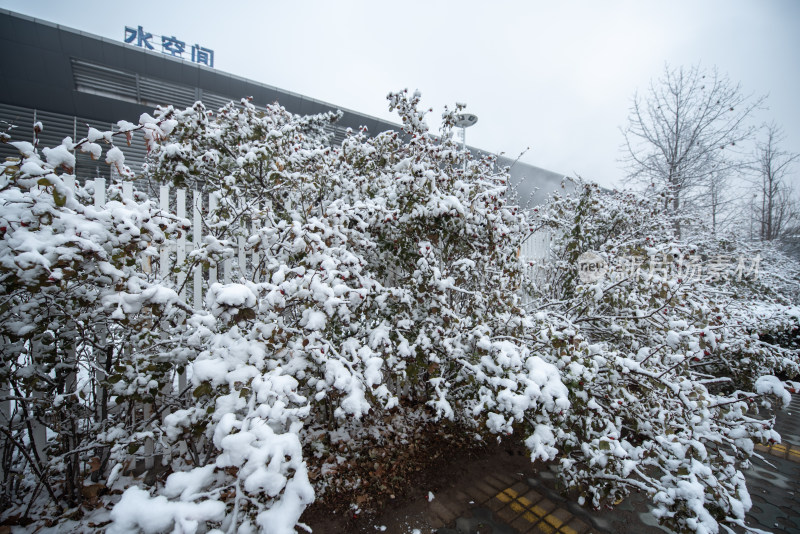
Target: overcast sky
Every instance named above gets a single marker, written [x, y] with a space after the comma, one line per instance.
[554, 76]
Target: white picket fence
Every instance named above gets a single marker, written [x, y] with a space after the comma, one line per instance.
[173, 253]
[535, 250]
[181, 245]
[534, 254]
[537, 247]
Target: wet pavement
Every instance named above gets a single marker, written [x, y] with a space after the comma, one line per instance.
[530, 502]
[774, 482]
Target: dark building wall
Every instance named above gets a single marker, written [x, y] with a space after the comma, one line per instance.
[68, 79]
[37, 72]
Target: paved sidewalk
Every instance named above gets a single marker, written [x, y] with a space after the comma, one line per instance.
[774, 482]
[509, 503]
[529, 502]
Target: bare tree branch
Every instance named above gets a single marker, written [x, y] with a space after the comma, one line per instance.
[685, 132]
[778, 210]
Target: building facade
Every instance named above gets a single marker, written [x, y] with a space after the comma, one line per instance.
[68, 80]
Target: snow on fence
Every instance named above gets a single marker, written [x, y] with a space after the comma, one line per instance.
[533, 254]
[534, 251]
[173, 253]
[537, 246]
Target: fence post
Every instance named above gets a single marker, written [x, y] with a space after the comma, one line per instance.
[38, 430]
[164, 271]
[255, 256]
[226, 270]
[102, 355]
[212, 269]
[180, 253]
[5, 420]
[197, 232]
[69, 350]
[164, 204]
[242, 257]
[180, 257]
[71, 380]
[127, 191]
[240, 245]
[100, 393]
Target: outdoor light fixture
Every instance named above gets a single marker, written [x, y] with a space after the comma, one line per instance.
[464, 121]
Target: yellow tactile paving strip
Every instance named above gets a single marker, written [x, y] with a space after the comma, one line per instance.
[531, 512]
[782, 450]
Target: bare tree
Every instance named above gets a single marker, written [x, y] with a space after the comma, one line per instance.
[684, 131]
[718, 202]
[778, 210]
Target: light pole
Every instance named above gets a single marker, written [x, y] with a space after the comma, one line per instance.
[464, 121]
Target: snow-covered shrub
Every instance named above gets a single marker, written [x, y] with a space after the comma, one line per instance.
[663, 365]
[70, 366]
[387, 278]
[385, 285]
[336, 320]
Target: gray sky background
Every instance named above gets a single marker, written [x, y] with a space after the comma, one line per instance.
[554, 76]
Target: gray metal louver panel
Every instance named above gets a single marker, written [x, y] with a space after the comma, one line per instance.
[162, 93]
[18, 123]
[114, 83]
[337, 134]
[104, 81]
[130, 87]
[214, 102]
[57, 126]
